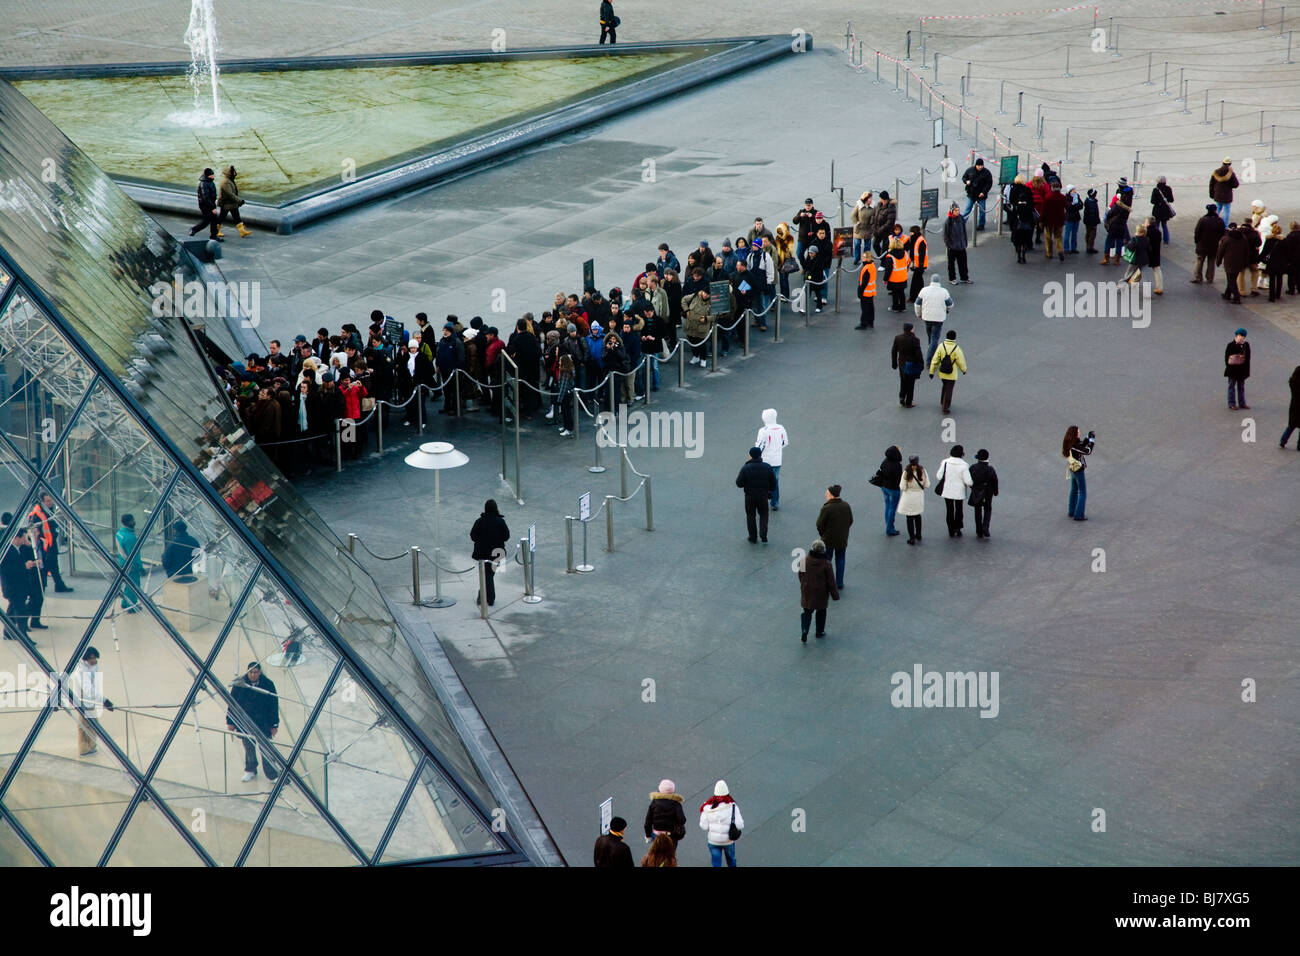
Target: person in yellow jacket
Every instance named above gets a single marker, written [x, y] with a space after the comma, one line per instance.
[867, 290]
[948, 356]
[895, 265]
[783, 252]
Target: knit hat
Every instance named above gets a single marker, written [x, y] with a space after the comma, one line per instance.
[1211, 207]
[1257, 203]
[809, 199]
[756, 452]
[982, 455]
[952, 335]
[884, 195]
[758, 242]
[1240, 332]
[1123, 182]
[726, 243]
[300, 338]
[1227, 160]
[934, 278]
[327, 377]
[617, 824]
[667, 786]
[720, 789]
[908, 326]
[450, 326]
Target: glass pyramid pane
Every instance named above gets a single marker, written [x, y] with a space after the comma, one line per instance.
[13, 851]
[42, 378]
[69, 802]
[15, 477]
[357, 762]
[294, 658]
[200, 779]
[113, 469]
[151, 840]
[5, 279]
[84, 569]
[435, 823]
[295, 834]
[203, 567]
[24, 689]
[146, 675]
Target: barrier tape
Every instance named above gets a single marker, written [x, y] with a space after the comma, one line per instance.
[1009, 13]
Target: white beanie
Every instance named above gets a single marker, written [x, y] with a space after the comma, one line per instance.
[720, 789]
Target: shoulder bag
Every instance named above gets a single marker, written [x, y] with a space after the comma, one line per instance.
[938, 487]
[1074, 464]
[733, 831]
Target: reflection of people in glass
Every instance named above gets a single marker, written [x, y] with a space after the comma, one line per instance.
[15, 579]
[259, 707]
[127, 540]
[46, 532]
[178, 556]
[87, 693]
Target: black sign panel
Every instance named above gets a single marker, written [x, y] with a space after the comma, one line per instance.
[929, 204]
[589, 276]
[720, 298]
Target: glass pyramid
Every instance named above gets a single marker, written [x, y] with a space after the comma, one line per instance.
[114, 434]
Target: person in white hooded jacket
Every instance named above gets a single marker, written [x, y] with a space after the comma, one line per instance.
[953, 475]
[717, 814]
[772, 439]
[932, 305]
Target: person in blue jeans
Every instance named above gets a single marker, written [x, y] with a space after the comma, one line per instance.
[1236, 368]
[888, 477]
[717, 815]
[1073, 216]
[1076, 449]
[833, 523]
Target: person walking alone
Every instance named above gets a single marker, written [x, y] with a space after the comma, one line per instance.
[954, 240]
[489, 534]
[906, 357]
[911, 500]
[983, 489]
[720, 818]
[816, 589]
[1075, 451]
[833, 523]
[230, 202]
[951, 481]
[932, 306]
[1293, 412]
[1236, 368]
[758, 481]
[947, 361]
[609, 24]
[772, 438]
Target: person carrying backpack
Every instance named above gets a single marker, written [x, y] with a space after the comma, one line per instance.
[947, 360]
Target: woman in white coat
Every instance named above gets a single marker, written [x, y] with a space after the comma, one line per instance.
[911, 503]
[717, 815]
[951, 481]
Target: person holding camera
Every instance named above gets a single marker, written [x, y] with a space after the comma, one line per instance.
[1075, 451]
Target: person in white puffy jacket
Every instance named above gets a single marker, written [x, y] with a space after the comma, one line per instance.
[955, 476]
[932, 305]
[772, 439]
[716, 817]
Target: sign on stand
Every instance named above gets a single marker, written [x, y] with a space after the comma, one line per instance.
[584, 506]
[606, 814]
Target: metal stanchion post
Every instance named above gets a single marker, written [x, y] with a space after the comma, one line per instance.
[379, 424]
[896, 86]
[1165, 90]
[1092, 145]
[530, 597]
[1205, 120]
[1002, 93]
[352, 543]
[1067, 145]
[713, 347]
[585, 566]
[415, 574]
[1149, 81]
[1116, 52]
[681, 361]
[1220, 132]
[907, 87]
[936, 82]
[622, 471]
[907, 50]
[744, 340]
[1020, 109]
[1181, 93]
[568, 545]
[776, 334]
[597, 468]
[338, 444]
[649, 506]
[419, 407]
[877, 79]
[1260, 141]
[1186, 107]
[1067, 72]
[577, 413]
[1272, 146]
[609, 522]
[482, 589]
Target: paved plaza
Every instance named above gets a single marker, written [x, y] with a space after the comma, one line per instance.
[1123, 646]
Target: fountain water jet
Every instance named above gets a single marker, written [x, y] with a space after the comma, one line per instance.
[201, 37]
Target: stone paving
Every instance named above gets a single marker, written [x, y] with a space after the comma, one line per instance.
[1120, 690]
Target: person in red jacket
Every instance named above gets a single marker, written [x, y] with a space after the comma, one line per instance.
[1038, 186]
[1053, 221]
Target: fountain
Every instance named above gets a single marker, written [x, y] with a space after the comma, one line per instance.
[201, 38]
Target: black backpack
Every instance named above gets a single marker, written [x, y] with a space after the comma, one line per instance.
[945, 363]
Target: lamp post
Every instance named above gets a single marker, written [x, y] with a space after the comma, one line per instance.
[435, 456]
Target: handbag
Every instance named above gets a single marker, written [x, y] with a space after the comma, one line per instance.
[938, 488]
[733, 831]
[367, 404]
[877, 479]
[1128, 255]
[1074, 464]
[977, 495]
[1237, 358]
[912, 369]
[788, 265]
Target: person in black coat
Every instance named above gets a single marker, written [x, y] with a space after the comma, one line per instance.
[610, 851]
[526, 351]
[258, 706]
[1091, 218]
[816, 264]
[1291, 255]
[1236, 368]
[178, 556]
[16, 569]
[817, 588]
[887, 479]
[665, 813]
[983, 489]
[1206, 235]
[609, 28]
[1162, 206]
[758, 481]
[1293, 413]
[906, 356]
[207, 197]
[489, 534]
